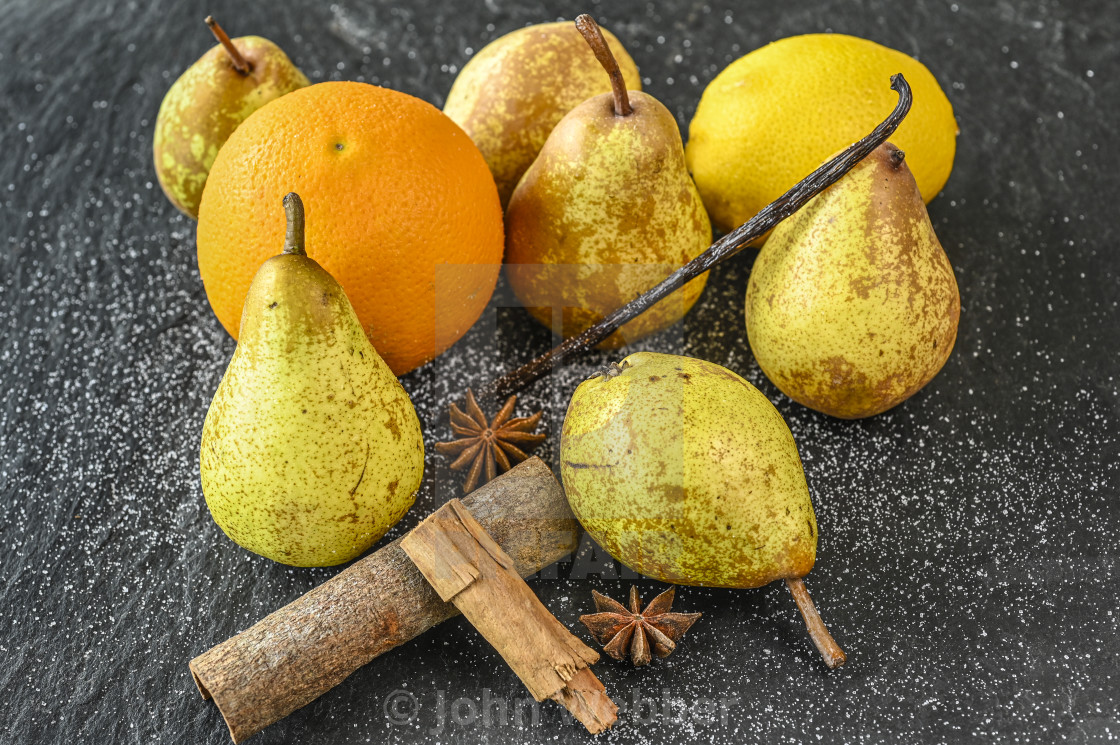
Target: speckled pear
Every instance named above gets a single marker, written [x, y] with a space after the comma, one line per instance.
[511, 94]
[311, 449]
[685, 472]
[208, 102]
[852, 305]
[606, 211]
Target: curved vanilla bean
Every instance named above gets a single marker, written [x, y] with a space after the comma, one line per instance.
[725, 247]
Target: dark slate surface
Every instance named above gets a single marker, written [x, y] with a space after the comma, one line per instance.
[970, 538]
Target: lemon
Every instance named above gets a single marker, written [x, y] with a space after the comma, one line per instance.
[776, 114]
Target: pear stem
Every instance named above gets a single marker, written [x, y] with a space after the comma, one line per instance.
[594, 36]
[239, 63]
[293, 239]
[723, 249]
[833, 656]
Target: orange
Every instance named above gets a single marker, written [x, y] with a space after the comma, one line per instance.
[401, 210]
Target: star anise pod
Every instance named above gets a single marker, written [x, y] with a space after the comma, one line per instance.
[489, 448]
[623, 630]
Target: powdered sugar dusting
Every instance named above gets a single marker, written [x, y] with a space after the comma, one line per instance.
[970, 538]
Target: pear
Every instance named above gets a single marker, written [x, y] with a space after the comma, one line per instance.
[311, 449]
[606, 211]
[685, 472]
[511, 94]
[852, 305]
[208, 102]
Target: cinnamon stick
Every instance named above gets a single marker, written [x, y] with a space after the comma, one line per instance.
[467, 568]
[301, 651]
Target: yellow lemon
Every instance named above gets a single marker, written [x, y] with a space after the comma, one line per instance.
[776, 114]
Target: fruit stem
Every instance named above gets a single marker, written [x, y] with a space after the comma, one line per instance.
[726, 247]
[833, 656]
[293, 239]
[594, 36]
[239, 63]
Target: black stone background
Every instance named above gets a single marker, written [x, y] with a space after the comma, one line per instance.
[970, 538]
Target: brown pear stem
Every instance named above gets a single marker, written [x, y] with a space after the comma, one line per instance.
[239, 63]
[594, 36]
[293, 239]
[833, 656]
[726, 247]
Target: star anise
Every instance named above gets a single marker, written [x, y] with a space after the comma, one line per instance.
[489, 448]
[623, 630]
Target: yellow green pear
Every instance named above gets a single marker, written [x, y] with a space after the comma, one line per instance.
[311, 449]
[685, 472]
[511, 94]
[852, 305]
[208, 102]
[606, 211]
